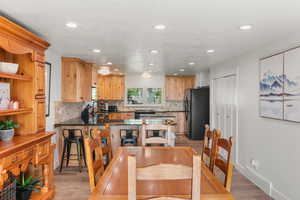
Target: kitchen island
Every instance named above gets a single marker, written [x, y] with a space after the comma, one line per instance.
[114, 125]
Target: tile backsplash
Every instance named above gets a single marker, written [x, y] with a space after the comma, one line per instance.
[65, 111]
[167, 106]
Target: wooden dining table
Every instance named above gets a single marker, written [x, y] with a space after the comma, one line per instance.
[113, 184]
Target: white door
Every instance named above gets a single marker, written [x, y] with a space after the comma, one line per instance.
[224, 107]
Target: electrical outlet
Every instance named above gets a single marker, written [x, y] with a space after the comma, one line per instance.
[254, 164]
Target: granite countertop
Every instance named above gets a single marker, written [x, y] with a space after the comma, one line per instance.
[80, 122]
[132, 111]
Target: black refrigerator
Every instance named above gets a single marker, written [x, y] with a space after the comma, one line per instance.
[196, 104]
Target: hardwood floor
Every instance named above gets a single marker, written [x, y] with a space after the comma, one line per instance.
[73, 185]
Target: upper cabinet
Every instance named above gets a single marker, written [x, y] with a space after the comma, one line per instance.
[176, 85]
[94, 76]
[110, 87]
[76, 80]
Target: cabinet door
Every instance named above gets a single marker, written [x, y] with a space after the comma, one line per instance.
[189, 82]
[69, 81]
[94, 77]
[103, 88]
[40, 79]
[117, 87]
[180, 123]
[40, 110]
[170, 87]
[85, 74]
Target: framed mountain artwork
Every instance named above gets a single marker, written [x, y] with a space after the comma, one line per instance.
[291, 96]
[271, 87]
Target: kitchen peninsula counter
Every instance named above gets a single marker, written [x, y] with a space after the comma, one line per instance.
[80, 122]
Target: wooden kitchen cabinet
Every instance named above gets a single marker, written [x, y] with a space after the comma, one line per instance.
[180, 122]
[176, 85]
[76, 80]
[40, 79]
[94, 76]
[40, 109]
[121, 116]
[110, 87]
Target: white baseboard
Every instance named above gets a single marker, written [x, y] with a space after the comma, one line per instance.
[275, 194]
[262, 182]
[255, 177]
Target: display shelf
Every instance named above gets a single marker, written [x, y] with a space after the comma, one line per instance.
[15, 112]
[15, 76]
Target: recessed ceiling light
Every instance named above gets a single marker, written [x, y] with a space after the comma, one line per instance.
[109, 63]
[104, 70]
[151, 64]
[182, 70]
[96, 50]
[210, 51]
[146, 75]
[116, 69]
[153, 51]
[71, 25]
[246, 27]
[191, 63]
[159, 27]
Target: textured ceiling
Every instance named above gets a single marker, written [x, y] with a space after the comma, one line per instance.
[123, 29]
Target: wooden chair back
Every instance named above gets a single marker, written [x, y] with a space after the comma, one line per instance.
[93, 150]
[106, 149]
[164, 172]
[224, 164]
[155, 140]
[209, 145]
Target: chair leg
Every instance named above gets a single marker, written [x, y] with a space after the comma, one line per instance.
[69, 145]
[79, 155]
[83, 152]
[63, 156]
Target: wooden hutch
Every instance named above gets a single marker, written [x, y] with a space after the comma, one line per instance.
[31, 145]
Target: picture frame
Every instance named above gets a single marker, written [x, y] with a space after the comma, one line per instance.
[279, 86]
[47, 87]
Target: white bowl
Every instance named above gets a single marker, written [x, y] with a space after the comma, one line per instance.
[9, 67]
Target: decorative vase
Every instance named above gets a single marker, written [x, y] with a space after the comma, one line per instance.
[23, 194]
[7, 135]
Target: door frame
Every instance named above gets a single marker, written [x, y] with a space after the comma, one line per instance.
[213, 112]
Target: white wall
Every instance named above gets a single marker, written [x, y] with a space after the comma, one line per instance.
[274, 143]
[55, 60]
[156, 81]
[202, 79]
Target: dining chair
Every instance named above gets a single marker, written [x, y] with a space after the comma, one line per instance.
[105, 137]
[106, 143]
[222, 162]
[93, 150]
[155, 138]
[209, 146]
[164, 172]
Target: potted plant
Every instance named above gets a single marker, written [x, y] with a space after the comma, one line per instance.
[25, 186]
[7, 129]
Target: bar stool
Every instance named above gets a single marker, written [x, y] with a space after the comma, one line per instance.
[128, 137]
[69, 139]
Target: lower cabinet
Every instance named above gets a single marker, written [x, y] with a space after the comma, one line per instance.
[180, 123]
[121, 116]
